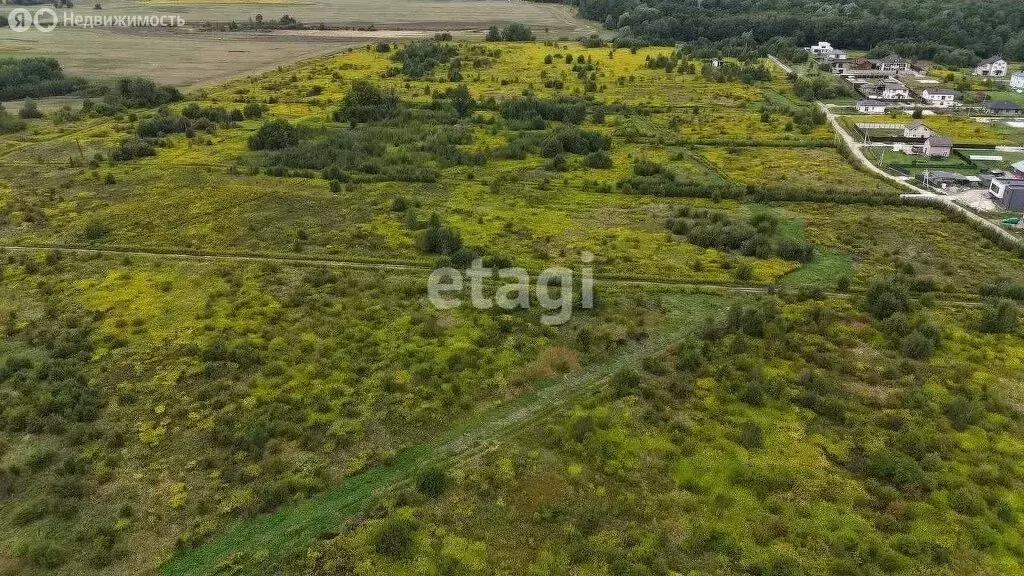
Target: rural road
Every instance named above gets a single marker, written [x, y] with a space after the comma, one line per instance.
[921, 195]
[785, 67]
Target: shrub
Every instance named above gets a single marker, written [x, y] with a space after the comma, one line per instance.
[10, 124]
[131, 148]
[400, 204]
[34, 77]
[437, 239]
[161, 124]
[625, 382]
[140, 93]
[599, 159]
[917, 346]
[30, 110]
[396, 538]
[432, 481]
[253, 110]
[365, 102]
[999, 317]
[528, 109]
[517, 32]
[274, 135]
[744, 272]
[886, 297]
[418, 59]
[1004, 288]
[963, 412]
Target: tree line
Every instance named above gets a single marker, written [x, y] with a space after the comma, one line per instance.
[932, 27]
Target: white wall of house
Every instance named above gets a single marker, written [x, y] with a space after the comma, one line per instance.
[871, 108]
[821, 48]
[889, 93]
[920, 131]
[936, 151]
[944, 100]
[997, 68]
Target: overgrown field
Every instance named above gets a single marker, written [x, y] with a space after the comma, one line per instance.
[787, 438]
[146, 401]
[197, 376]
[551, 150]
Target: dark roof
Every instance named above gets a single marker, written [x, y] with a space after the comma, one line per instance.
[943, 175]
[942, 91]
[916, 123]
[940, 141]
[1002, 105]
[870, 103]
[894, 59]
[991, 60]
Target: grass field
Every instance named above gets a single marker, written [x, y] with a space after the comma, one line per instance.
[963, 131]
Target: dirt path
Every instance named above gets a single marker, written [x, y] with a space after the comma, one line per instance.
[411, 267]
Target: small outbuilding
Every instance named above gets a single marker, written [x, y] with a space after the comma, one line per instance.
[1009, 193]
[871, 107]
[1002, 107]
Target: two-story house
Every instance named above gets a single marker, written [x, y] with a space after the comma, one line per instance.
[893, 90]
[994, 66]
[1017, 81]
[893, 63]
[916, 130]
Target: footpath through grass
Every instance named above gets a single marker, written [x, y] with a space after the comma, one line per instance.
[256, 545]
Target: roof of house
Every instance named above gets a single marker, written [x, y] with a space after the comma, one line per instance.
[951, 176]
[1001, 105]
[894, 85]
[991, 60]
[870, 103]
[939, 141]
[943, 91]
[894, 59]
[1018, 166]
[916, 124]
[1011, 182]
[1019, 74]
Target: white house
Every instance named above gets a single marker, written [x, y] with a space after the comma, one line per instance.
[916, 130]
[871, 107]
[994, 66]
[1017, 81]
[937, 146]
[893, 90]
[944, 97]
[822, 48]
[893, 63]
